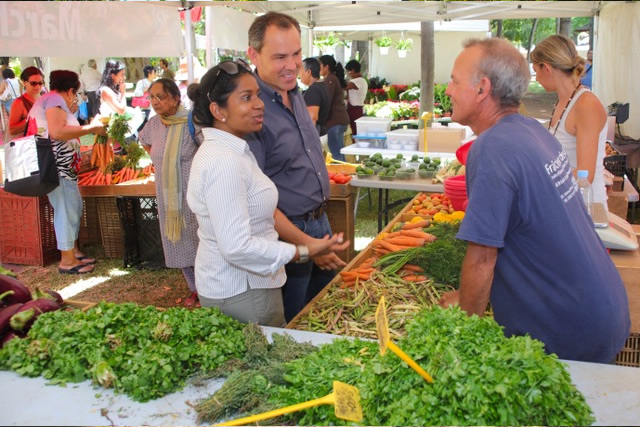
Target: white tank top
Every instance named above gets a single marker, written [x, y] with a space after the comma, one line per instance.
[568, 142]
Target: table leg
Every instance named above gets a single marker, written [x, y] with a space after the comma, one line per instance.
[355, 209]
[386, 206]
[380, 210]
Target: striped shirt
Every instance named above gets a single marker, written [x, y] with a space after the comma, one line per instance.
[234, 202]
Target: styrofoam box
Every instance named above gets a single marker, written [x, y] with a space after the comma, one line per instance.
[373, 126]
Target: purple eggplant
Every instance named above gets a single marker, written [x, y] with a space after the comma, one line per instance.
[48, 294]
[29, 312]
[5, 315]
[20, 291]
[9, 336]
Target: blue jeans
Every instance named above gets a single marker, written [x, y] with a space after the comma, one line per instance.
[67, 213]
[304, 281]
[336, 140]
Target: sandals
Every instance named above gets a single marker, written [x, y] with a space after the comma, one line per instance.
[84, 258]
[192, 300]
[75, 270]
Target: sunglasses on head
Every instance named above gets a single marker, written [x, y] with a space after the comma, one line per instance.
[36, 83]
[231, 68]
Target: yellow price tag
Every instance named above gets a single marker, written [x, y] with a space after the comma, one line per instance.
[384, 341]
[382, 326]
[347, 405]
[344, 398]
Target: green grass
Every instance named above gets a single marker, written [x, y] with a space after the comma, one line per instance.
[367, 218]
[535, 87]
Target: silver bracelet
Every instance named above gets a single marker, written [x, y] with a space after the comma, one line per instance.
[303, 253]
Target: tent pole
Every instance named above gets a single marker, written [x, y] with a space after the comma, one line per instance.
[187, 38]
[208, 26]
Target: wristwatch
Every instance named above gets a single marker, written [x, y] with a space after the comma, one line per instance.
[303, 252]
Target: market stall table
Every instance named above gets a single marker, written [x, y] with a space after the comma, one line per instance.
[418, 184]
[611, 391]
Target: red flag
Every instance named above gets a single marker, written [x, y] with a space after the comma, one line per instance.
[196, 14]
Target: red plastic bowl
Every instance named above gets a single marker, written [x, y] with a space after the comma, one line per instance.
[463, 151]
[455, 183]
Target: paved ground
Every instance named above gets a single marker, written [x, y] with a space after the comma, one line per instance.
[539, 105]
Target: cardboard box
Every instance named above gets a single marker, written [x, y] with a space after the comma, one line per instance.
[618, 203]
[628, 265]
[441, 140]
[618, 183]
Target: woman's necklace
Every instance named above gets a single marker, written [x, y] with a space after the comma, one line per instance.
[555, 128]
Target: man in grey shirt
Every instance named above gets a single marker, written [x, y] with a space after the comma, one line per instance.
[289, 151]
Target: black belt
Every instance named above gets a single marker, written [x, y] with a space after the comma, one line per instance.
[311, 215]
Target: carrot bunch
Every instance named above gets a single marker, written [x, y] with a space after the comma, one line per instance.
[363, 272]
[102, 153]
[411, 273]
[95, 177]
[126, 174]
[413, 237]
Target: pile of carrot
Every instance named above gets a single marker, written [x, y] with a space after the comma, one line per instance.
[362, 273]
[102, 153]
[411, 237]
[125, 174]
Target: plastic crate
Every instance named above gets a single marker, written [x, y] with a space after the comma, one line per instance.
[110, 227]
[27, 236]
[617, 165]
[141, 226]
[372, 126]
[630, 353]
[89, 223]
[403, 139]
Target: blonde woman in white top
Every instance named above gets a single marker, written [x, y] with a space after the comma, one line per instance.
[579, 120]
[240, 261]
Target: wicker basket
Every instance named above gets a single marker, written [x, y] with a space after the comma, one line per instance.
[630, 353]
[110, 227]
[89, 223]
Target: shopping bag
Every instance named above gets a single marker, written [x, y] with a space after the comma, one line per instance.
[83, 110]
[30, 167]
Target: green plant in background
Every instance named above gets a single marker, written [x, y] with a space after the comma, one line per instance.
[326, 42]
[384, 41]
[377, 82]
[441, 98]
[412, 94]
[404, 44]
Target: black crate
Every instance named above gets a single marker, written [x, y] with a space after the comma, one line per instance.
[141, 226]
[617, 164]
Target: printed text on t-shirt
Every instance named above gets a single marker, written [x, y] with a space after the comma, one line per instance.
[560, 172]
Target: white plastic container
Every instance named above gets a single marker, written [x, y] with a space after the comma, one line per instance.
[406, 138]
[369, 142]
[373, 126]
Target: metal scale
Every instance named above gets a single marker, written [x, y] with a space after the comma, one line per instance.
[615, 232]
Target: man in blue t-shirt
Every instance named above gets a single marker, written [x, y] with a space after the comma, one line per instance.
[533, 250]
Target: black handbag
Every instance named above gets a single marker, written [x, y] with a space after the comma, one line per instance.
[30, 167]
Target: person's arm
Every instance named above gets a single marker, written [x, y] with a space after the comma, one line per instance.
[292, 234]
[590, 118]
[17, 117]
[350, 85]
[116, 101]
[314, 111]
[475, 280]
[60, 130]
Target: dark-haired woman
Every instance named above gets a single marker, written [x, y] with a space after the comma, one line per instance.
[53, 115]
[240, 261]
[167, 139]
[112, 89]
[33, 81]
[338, 120]
[356, 88]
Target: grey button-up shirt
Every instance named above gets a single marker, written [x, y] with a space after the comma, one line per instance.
[289, 151]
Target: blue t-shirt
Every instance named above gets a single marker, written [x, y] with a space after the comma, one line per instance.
[586, 78]
[553, 278]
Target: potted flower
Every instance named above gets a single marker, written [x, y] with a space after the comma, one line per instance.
[403, 46]
[383, 43]
[326, 43]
